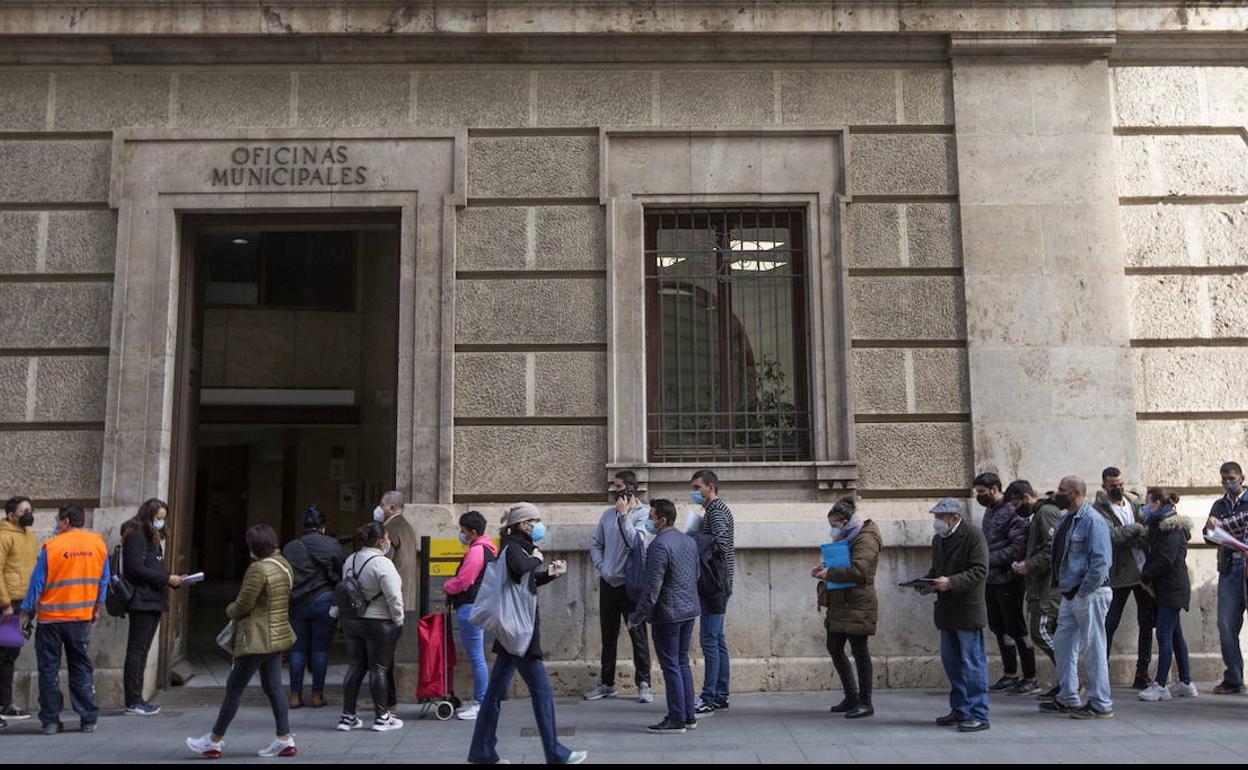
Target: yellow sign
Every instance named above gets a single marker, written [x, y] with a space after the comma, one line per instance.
[448, 548]
[442, 568]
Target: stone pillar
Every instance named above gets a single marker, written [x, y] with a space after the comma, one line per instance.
[1048, 322]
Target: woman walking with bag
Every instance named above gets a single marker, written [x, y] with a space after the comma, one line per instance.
[518, 570]
[372, 593]
[316, 559]
[852, 611]
[143, 566]
[260, 616]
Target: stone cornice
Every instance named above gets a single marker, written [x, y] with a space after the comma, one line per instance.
[595, 17]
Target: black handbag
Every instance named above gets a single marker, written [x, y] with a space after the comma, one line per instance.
[120, 592]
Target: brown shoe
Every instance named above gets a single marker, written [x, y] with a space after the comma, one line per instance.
[1222, 688]
[318, 700]
[296, 700]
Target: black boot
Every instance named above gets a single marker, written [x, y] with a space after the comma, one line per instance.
[849, 703]
[863, 710]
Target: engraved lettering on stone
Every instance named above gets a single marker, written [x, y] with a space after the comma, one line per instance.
[290, 165]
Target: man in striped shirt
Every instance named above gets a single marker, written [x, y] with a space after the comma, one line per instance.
[717, 522]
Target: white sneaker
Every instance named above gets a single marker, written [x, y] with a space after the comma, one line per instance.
[469, 712]
[1154, 692]
[1184, 690]
[577, 758]
[600, 692]
[279, 748]
[350, 722]
[643, 693]
[206, 746]
[387, 723]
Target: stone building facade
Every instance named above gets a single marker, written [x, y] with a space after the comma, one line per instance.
[1022, 232]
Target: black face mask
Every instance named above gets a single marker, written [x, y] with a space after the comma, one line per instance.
[1116, 494]
[1023, 509]
[27, 519]
[985, 500]
[1062, 501]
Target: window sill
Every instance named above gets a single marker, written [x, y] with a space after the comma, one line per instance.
[825, 474]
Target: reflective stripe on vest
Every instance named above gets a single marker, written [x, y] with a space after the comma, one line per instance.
[75, 564]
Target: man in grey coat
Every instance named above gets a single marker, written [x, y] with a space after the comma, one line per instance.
[612, 545]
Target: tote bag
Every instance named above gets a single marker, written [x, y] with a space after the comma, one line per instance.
[505, 608]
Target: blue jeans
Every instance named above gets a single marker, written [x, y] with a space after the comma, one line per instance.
[1081, 637]
[1170, 643]
[314, 630]
[473, 641]
[715, 656]
[75, 638]
[966, 665]
[484, 749]
[1232, 603]
[671, 646]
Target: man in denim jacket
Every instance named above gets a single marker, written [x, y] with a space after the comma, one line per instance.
[1082, 555]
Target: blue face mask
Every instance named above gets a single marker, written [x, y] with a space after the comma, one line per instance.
[539, 531]
[159, 524]
[1233, 488]
[650, 527]
[464, 539]
[697, 497]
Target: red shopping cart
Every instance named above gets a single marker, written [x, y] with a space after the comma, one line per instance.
[435, 688]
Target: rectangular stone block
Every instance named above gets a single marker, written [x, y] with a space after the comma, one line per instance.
[23, 100]
[353, 98]
[532, 166]
[838, 96]
[1154, 236]
[490, 385]
[476, 99]
[873, 234]
[933, 234]
[71, 388]
[927, 96]
[19, 241]
[572, 384]
[99, 100]
[522, 311]
[1169, 306]
[1228, 298]
[569, 238]
[592, 97]
[1157, 96]
[491, 238]
[914, 455]
[537, 238]
[1187, 380]
[879, 381]
[13, 396]
[81, 241]
[724, 97]
[902, 164]
[907, 307]
[1194, 164]
[1226, 90]
[941, 382]
[500, 460]
[1224, 233]
[43, 315]
[81, 170]
[54, 465]
[1188, 453]
[258, 98]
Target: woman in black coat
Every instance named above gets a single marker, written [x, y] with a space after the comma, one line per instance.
[143, 565]
[316, 559]
[1165, 577]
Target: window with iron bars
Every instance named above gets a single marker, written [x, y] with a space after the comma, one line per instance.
[726, 339]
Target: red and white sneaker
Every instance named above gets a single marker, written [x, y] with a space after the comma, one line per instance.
[280, 748]
[206, 746]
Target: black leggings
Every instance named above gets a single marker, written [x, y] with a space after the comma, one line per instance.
[862, 658]
[370, 649]
[143, 626]
[245, 667]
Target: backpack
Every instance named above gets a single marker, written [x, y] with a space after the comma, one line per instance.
[120, 590]
[713, 583]
[635, 569]
[349, 596]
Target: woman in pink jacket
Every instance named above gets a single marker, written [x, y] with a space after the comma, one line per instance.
[461, 591]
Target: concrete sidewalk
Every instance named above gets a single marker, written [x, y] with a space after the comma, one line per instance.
[759, 728]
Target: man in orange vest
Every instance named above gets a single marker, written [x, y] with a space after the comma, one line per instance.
[66, 592]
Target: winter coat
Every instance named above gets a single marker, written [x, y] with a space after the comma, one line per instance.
[1006, 533]
[1165, 566]
[261, 611]
[19, 550]
[519, 562]
[1125, 571]
[963, 558]
[143, 564]
[854, 611]
[1041, 595]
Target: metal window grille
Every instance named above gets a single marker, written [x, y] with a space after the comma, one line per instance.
[726, 340]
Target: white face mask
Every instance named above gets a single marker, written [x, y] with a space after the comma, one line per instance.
[836, 533]
[379, 514]
[941, 527]
[159, 524]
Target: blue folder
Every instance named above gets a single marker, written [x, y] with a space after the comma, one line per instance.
[836, 555]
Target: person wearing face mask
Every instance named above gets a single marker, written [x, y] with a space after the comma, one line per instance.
[851, 612]
[19, 549]
[316, 559]
[389, 514]
[958, 575]
[522, 530]
[1230, 512]
[143, 565]
[461, 591]
[1165, 578]
[669, 602]
[718, 530]
[1081, 559]
[1043, 600]
[66, 593]
[1006, 533]
[610, 549]
[1121, 512]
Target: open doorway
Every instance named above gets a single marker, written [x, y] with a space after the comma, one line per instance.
[286, 399]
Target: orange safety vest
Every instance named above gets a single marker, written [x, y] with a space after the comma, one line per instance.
[75, 564]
